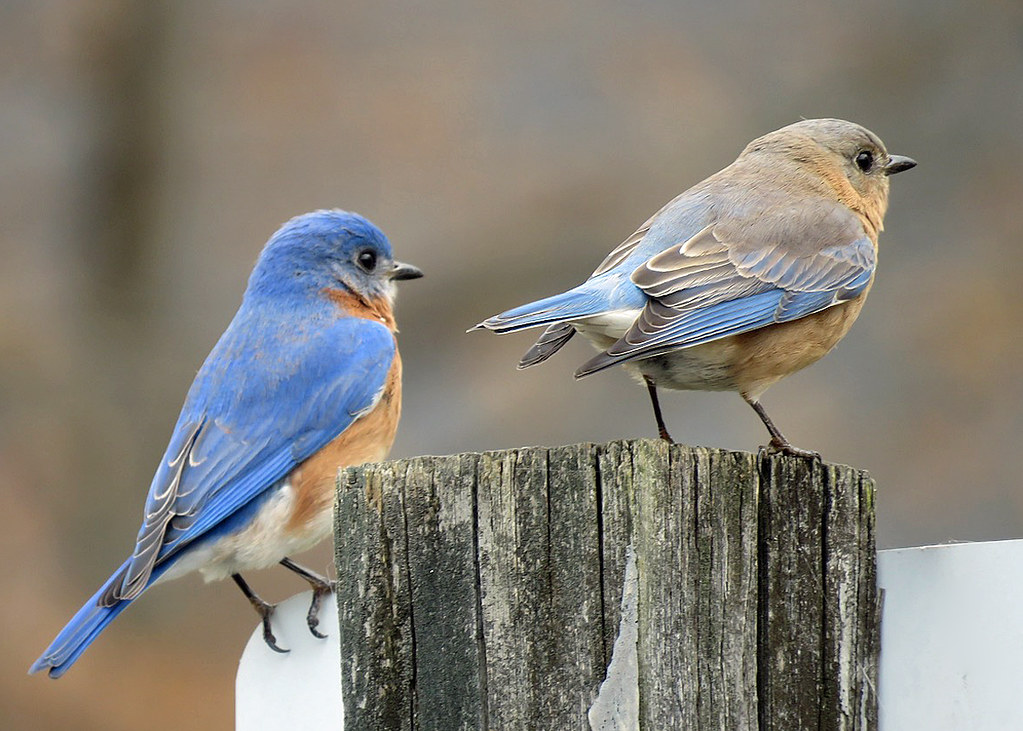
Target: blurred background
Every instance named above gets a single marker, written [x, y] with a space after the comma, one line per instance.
[150, 148]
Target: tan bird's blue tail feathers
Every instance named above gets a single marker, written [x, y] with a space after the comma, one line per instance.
[583, 301]
[549, 343]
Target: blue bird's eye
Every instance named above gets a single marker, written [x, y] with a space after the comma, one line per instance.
[367, 260]
[865, 161]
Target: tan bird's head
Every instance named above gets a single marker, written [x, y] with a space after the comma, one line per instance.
[849, 159]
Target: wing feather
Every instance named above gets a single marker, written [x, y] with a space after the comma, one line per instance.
[738, 275]
[227, 452]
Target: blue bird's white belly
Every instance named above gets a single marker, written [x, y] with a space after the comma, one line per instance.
[262, 543]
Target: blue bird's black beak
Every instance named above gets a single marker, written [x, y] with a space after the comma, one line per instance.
[898, 163]
[401, 270]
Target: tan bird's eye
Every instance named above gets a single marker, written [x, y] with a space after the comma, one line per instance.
[865, 161]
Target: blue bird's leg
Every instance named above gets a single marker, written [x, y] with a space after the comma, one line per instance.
[662, 430]
[264, 609]
[321, 588]
[778, 441]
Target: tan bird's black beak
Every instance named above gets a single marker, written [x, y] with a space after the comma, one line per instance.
[405, 271]
[898, 163]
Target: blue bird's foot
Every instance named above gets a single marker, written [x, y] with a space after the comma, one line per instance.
[268, 635]
[313, 617]
[321, 587]
[264, 609]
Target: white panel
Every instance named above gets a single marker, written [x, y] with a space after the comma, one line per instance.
[297, 690]
[951, 648]
[952, 637]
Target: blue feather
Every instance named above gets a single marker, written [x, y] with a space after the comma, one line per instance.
[257, 442]
[719, 321]
[800, 304]
[83, 628]
[604, 293]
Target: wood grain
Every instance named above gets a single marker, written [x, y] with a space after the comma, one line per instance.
[484, 591]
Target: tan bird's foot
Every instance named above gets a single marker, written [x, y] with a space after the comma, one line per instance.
[783, 446]
[778, 441]
[662, 430]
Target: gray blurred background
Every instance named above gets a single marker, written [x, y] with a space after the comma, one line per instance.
[149, 149]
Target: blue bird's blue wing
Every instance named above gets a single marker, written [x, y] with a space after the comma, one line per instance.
[741, 274]
[247, 422]
[227, 451]
[309, 410]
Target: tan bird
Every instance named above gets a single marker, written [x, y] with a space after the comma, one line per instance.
[746, 277]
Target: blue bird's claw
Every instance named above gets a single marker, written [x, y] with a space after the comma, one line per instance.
[313, 617]
[321, 587]
[268, 635]
[264, 609]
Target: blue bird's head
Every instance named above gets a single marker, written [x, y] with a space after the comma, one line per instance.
[325, 250]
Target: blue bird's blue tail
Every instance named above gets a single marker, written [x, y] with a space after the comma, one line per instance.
[575, 304]
[79, 633]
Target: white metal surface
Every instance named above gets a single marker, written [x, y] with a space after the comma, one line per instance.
[951, 648]
[952, 637]
[297, 690]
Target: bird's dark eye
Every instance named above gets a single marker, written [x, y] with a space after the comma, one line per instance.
[865, 160]
[367, 260]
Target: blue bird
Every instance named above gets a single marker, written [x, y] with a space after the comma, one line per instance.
[745, 278]
[306, 379]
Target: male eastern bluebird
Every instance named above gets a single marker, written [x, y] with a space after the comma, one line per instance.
[747, 277]
[306, 379]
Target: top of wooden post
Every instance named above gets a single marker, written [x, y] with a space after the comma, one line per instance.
[485, 590]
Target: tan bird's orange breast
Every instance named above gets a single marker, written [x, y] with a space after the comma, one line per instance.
[764, 356]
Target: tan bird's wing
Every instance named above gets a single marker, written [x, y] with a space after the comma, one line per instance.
[740, 274]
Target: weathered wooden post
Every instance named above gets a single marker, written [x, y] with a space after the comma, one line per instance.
[485, 591]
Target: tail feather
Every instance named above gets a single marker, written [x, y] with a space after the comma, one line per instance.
[80, 632]
[549, 343]
[583, 301]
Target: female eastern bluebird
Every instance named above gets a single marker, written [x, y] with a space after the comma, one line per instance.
[306, 379]
[747, 277]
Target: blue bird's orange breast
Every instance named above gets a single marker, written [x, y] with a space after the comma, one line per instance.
[368, 439]
[349, 304]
